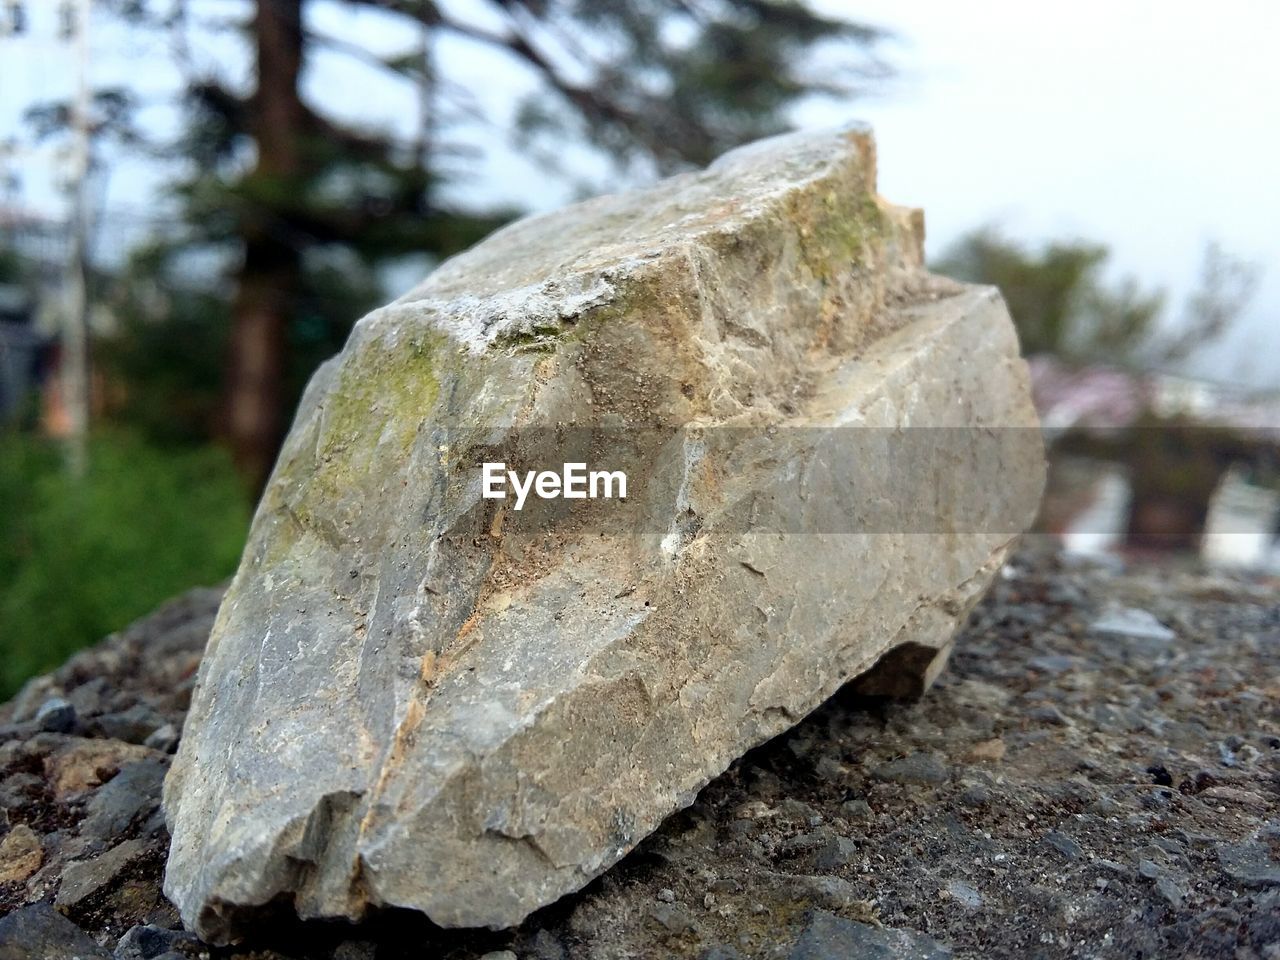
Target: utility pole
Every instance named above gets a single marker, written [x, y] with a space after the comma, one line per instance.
[426, 101]
[75, 327]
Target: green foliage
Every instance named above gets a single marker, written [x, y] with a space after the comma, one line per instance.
[167, 358]
[80, 559]
[1063, 306]
[15, 268]
[1058, 297]
[684, 82]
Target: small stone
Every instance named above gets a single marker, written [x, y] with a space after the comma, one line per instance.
[21, 854]
[799, 811]
[965, 894]
[17, 789]
[836, 852]
[83, 764]
[39, 932]
[164, 738]
[147, 942]
[856, 809]
[84, 878]
[831, 893]
[132, 794]
[1244, 798]
[925, 769]
[1171, 891]
[1133, 623]
[133, 725]
[988, 751]
[1064, 844]
[829, 937]
[56, 716]
[499, 955]
[674, 917]
[1149, 869]
[803, 843]
[1047, 713]
[1251, 863]
[89, 698]
[545, 946]
[667, 895]
[1054, 663]
[975, 794]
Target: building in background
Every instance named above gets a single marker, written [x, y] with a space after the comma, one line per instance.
[24, 352]
[1150, 461]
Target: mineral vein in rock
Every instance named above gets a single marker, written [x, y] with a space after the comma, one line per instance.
[413, 699]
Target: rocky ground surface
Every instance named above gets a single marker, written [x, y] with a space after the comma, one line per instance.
[1097, 775]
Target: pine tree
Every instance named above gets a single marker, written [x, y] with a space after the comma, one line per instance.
[653, 85]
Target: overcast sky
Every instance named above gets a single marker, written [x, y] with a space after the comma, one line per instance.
[1154, 127]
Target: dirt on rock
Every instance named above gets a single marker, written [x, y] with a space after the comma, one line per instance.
[1097, 774]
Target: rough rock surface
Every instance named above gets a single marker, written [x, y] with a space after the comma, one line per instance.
[1141, 818]
[414, 697]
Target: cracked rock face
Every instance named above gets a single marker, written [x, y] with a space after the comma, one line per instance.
[415, 696]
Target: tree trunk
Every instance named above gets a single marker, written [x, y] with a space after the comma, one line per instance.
[270, 275]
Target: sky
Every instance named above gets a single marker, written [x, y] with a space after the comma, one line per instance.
[1152, 127]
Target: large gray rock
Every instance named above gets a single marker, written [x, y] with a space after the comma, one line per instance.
[418, 697]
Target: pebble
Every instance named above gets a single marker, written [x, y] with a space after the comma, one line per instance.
[1054, 663]
[129, 796]
[964, 894]
[1063, 844]
[164, 738]
[21, 854]
[975, 795]
[1133, 623]
[17, 788]
[1171, 890]
[856, 809]
[84, 878]
[545, 946]
[925, 769]
[133, 725]
[39, 932]
[674, 917]
[56, 715]
[81, 764]
[1251, 863]
[1047, 713]
[146, 942]
[830, 937]
[356, 950]
[835, 853]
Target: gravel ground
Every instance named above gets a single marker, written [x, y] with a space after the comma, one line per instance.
[1096, 775]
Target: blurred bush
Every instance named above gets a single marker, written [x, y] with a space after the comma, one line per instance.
[81, 559]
